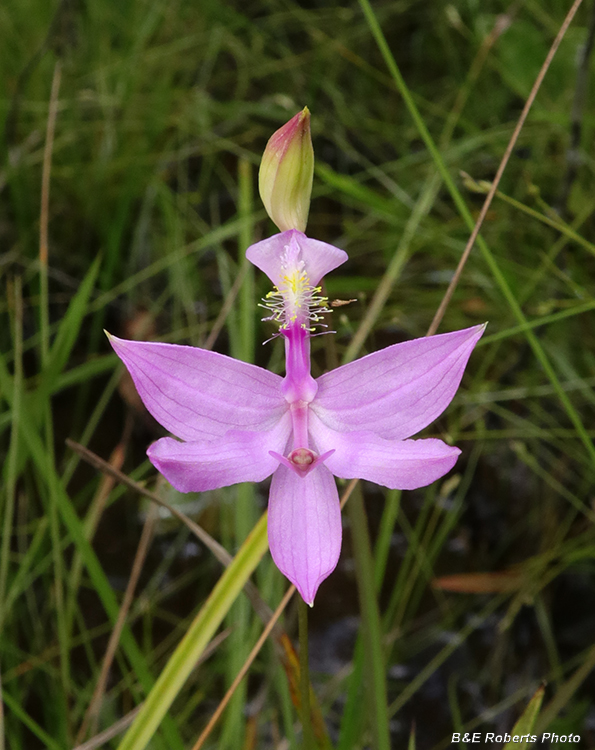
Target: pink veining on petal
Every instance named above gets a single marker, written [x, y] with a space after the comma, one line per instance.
[319, 257]
[198, 394]
[304, 527]
[235, 457]
[396, 391]
[397, 464]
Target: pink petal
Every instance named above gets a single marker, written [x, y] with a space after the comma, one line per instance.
[319, 257]
[200, 395]
[399, 390]
[397, 464]
[305, 527]
[235, 457]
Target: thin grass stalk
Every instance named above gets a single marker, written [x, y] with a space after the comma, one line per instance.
[454, 706]
[549, 640]
[451, 517]
[392, 506]
[48, 420]
[53, 500]
[2, 728]
[240, 316]
[245, 239]
[91, 718]
[245, 667]
[431, 545]
[307, 733]
[374, 666]
[280, 683]
[44, 213]
[15, 294]
[353, 714]
[225, 310]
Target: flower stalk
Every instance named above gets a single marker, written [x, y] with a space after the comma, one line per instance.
[307, 733]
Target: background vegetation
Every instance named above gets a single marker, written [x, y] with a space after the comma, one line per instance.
[485, 580]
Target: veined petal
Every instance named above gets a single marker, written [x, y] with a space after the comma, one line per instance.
[397, 464]
[318, 257]
[235, 457]
[200, 395]
[305, 527]
[396, 391]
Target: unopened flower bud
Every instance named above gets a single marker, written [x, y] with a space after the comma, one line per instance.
[286, 170]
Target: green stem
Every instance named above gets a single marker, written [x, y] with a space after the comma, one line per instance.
[15, 295]
[374, 666]
[245, 238]
[308, 738]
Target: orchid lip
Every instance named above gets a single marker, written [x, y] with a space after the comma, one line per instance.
[302, 460]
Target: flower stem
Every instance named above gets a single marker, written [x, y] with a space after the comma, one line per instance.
[374, 665]
[308, 737]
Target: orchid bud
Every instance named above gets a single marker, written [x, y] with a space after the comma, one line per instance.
[286, 170]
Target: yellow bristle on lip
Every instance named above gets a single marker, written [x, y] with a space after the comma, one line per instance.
[296, 291]
[295, 300]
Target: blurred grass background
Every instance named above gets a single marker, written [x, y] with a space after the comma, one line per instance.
[162, 113]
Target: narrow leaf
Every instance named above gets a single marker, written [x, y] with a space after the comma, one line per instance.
[526, 722]
[199, 634]
[566, 691]
[68, 331]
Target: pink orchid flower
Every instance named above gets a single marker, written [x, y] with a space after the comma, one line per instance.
[241, 423]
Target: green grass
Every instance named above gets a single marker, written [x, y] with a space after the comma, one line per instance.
[163, 111]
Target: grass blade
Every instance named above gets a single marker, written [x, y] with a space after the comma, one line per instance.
[526, 722]
[196, 639]
[372, 633]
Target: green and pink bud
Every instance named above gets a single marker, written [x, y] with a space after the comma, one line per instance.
[286, 171]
